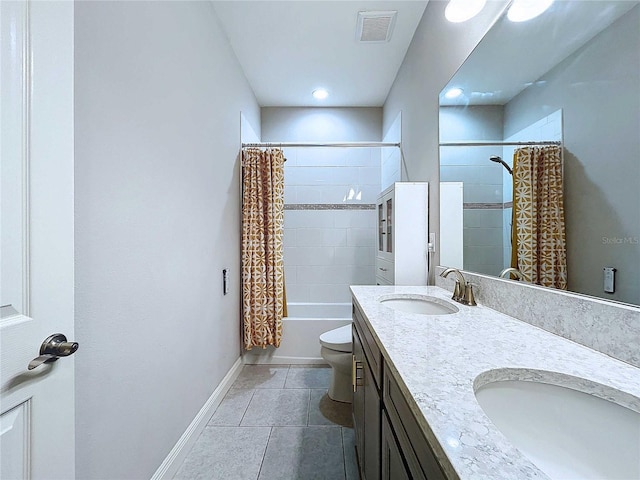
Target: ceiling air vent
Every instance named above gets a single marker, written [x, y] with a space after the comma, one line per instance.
[375, 27]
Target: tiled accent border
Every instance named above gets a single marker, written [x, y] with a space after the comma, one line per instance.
[487, 206]
[483, 206]
[608, 327]
[330, 206]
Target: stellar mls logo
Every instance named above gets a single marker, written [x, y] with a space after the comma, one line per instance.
[620, 240]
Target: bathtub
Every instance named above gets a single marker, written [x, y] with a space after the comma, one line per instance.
[301, 330]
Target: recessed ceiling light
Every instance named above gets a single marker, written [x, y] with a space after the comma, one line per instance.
[523, 10]
[453, 92]
[462, 10]
[320, 94]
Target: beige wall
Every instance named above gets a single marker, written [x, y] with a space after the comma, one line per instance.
[325, 124]
[157, 126]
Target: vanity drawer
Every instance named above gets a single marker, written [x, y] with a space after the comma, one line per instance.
[371, 350]
[385, 269]
[417, 453]
[382, 281]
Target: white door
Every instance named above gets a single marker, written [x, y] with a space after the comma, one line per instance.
[36, 231]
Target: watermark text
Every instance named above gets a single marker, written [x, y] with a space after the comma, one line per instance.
[620, 240]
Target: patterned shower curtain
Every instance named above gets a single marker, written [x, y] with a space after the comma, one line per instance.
[263, 294]
[538, 232]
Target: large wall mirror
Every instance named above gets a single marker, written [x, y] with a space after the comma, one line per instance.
[569, 78]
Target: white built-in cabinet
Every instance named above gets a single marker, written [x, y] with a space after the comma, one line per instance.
[403, 232]
[452, 224]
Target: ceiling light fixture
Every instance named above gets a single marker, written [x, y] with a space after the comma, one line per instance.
[320, 94]
[523, 10]
[453, 92]
[458, 11]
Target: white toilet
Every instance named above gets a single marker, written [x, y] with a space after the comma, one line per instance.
[336, 350]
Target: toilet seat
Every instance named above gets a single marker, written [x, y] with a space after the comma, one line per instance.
[338, 339]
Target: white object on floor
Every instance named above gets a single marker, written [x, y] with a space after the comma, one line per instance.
[336, 347]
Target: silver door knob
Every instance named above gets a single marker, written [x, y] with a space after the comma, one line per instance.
[53, 347]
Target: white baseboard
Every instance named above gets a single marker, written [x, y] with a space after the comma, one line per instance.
[169, 467]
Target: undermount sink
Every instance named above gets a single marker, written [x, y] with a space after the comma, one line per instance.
[567, 433]
[420, 304]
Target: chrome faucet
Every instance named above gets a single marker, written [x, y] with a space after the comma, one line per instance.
[516, 273]
[463, 290]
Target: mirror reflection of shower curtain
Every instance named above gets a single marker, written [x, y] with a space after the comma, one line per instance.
[263, 289]
[538, 231]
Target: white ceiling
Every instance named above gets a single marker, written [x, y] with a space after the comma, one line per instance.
[289, 48]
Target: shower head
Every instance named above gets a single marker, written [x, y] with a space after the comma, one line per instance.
[497, 159]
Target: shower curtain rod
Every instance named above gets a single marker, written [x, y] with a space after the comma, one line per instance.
[343, 144]
[496, 144]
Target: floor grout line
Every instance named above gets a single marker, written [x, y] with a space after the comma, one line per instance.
[255, 380]
[344, 456]
[264, 454]
[246, 408]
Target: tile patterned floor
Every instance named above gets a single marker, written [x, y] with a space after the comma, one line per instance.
[276, 423]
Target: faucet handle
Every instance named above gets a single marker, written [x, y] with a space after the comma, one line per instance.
[469, 298]
[458, 291]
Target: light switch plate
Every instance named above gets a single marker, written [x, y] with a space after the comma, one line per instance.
[432, 243]
[225, 281]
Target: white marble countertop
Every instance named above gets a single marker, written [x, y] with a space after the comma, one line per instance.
[437, 359]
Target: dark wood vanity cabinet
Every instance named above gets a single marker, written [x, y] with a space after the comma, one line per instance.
[418, 458]
[389, 443]
[392, 464]
[366, 400]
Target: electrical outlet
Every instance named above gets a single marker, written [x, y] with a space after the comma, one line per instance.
[609, 279]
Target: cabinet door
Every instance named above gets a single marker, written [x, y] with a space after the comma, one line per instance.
[381, 227]
[389, 219]
[372, 411]
[366, 414]
[358, 399]
[418, 456]
[393, 467]
[386, 232]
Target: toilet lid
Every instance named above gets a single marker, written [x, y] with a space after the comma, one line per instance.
[338, 339]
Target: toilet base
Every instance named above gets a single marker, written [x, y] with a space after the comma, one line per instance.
[337, 389]
[340, 388]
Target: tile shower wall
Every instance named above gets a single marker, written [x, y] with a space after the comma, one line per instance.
[483, 182]
[483, 205]
[488, 187]
[330, 220]
[391, 157]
